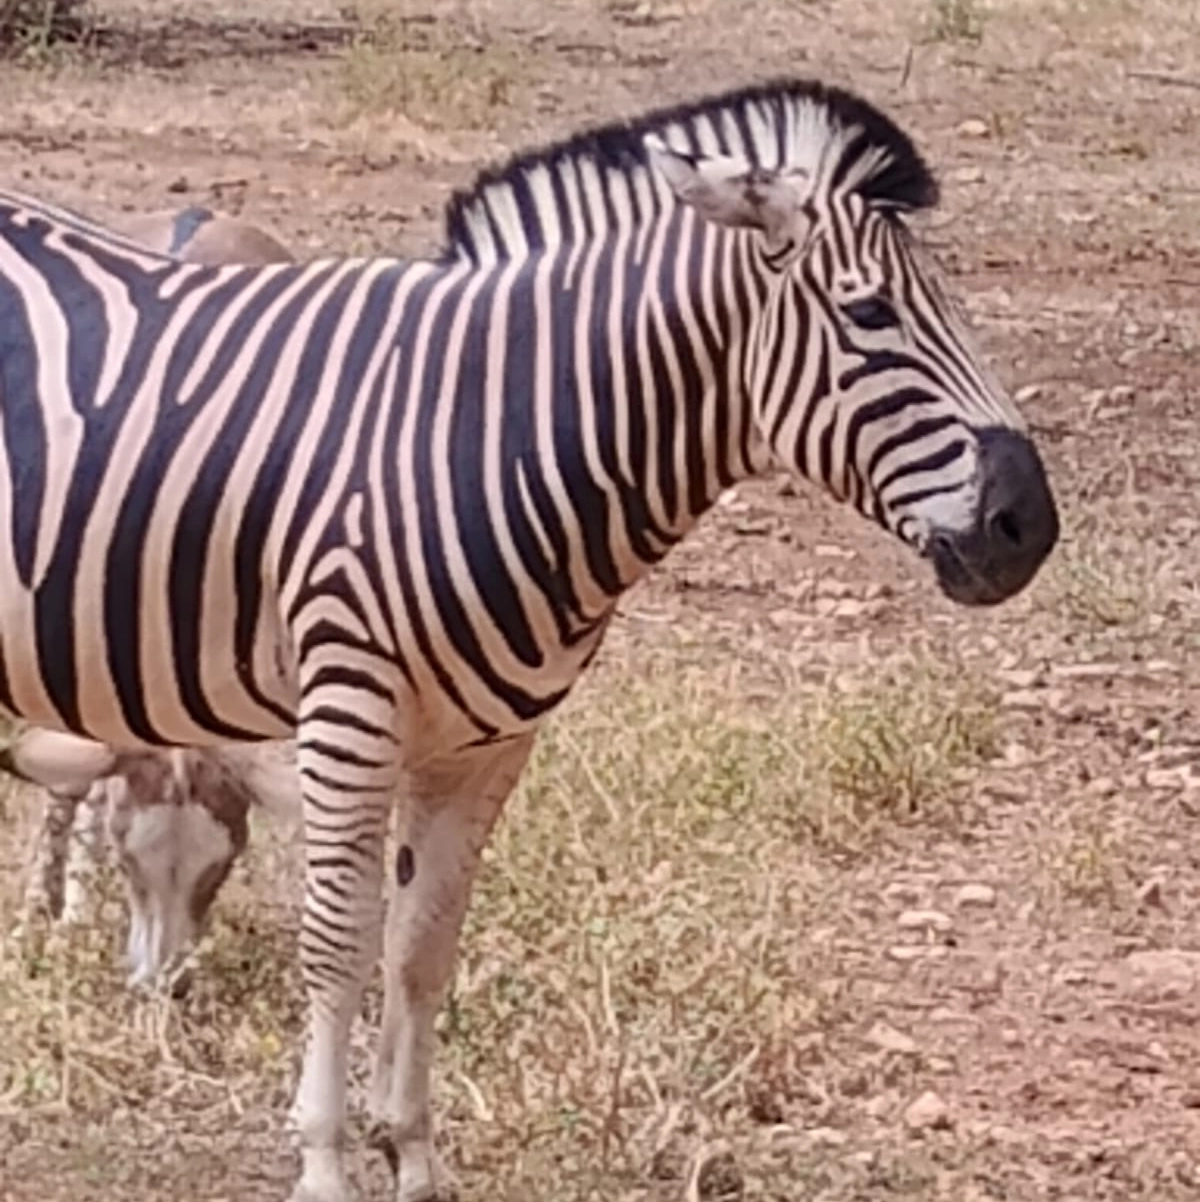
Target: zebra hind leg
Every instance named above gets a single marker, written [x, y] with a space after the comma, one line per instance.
[348, 777]
[445, 822]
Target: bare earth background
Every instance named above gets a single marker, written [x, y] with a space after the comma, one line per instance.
[820, 888]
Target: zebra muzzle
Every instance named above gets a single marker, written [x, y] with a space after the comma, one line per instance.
[1016, 525]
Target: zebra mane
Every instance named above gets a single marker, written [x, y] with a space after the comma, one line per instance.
[534, 200]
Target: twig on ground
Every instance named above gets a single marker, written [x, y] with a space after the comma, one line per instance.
[1163, 77]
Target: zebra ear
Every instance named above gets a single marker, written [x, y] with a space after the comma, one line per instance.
[731, 192]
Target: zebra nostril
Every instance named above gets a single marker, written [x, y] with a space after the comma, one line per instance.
[1003, 526]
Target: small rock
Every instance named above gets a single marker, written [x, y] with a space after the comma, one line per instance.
[944, 1016]
[179, 184]
[1165, 778]
[828, 1137]
[1022, 678]
[906, 892]
[982, 896]
[752, 526]
[924, 920]
[968, 175]
[941, 1066]
[1164, 973]
[973, 127]
[927, 1113]
[1073, 975]
[850, 608]
[888, 1039]
[906, 952]
[1150, 895]
[880, 1106]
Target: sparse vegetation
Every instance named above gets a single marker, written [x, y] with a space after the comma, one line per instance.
[34, 26]
[955, 21]
[1111, 587]
[903, 746]
[634, 965]
[439, 76]
[1082, 859]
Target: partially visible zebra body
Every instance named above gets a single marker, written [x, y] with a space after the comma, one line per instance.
[391, 506]
[175, 821]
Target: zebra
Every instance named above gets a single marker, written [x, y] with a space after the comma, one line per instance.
[389, 507]
[175, 833]
[201, 235]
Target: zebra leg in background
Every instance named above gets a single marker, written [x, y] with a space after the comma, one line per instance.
[444, 824]
[347, 761]
[86, 848]
[44, 891]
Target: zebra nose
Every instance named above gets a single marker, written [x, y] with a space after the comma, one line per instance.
[1015, 529]
[1019, 516]
[1004, 526]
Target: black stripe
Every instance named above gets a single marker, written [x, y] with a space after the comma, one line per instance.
[932, 462]
[196, 529]
[469, 503]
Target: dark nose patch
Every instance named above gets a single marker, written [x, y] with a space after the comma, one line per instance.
[1020, 518]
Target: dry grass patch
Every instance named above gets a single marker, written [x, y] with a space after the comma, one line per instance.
[640, 996]
[435, 74]
[955, 21]
[1118, 584]
[1083, 858]
[30, 28]
[638, 977]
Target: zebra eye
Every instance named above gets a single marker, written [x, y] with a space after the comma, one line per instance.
[872, 313]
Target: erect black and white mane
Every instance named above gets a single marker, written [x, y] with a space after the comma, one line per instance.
[565, 191]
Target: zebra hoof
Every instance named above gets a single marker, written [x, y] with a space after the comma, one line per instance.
[379, 1139]
[323, 1179]
[414, 1169]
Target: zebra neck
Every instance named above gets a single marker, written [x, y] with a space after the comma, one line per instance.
[638, 417]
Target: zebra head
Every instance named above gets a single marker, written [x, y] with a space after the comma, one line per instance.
[860, 373]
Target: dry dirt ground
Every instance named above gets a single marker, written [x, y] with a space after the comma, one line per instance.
[722, 944]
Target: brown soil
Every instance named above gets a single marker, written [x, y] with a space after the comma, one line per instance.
[1068, 1061]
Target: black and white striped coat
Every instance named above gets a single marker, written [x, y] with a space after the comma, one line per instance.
[390, 506]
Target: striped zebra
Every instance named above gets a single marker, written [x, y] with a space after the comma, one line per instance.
[390, 507]
[174, 834]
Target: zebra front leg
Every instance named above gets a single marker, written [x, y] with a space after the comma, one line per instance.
[444, 825]
[348, 774]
